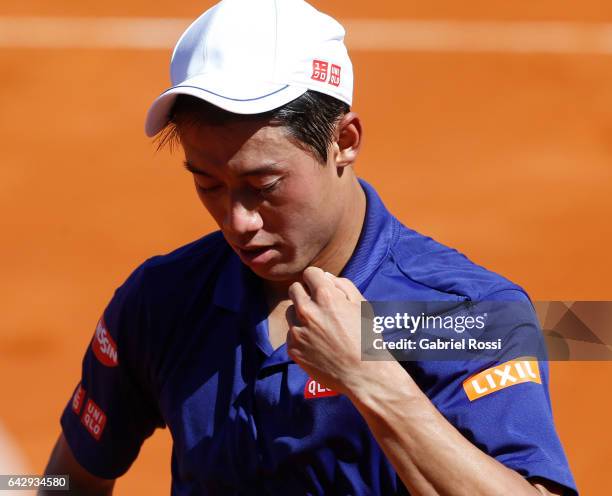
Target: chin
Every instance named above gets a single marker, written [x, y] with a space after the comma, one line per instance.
[278, 272]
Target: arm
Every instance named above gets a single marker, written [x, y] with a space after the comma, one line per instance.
[82, 482]
[429, 454]
[111, 411]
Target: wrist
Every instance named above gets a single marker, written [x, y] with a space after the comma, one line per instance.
[381, 383]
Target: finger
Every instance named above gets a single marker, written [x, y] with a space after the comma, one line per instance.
[319, 285]
[313, 277]
[290, 339]
[298, 295]
[291, 343]
[294, 336]
[301, 302]
[292, 317]
[347, 287]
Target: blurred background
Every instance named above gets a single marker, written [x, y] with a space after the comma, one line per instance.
[488, 126]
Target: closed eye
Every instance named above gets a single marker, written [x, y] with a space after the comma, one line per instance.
[208, 189]
[268, 188]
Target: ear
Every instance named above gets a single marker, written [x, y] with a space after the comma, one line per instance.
[348, 140]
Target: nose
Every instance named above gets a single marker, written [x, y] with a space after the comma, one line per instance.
[241, 220]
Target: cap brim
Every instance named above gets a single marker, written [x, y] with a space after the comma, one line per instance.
[227, 94]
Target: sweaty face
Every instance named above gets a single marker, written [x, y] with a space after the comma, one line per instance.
[277, 206]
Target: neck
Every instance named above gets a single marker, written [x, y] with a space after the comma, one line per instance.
[336, 254]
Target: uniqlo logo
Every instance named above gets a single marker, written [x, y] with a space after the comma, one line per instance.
[335, 75]
[314, 389]
[94, 419]
[319, 70]
[77, 399]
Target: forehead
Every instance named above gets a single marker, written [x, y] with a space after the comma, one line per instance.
[239, 143]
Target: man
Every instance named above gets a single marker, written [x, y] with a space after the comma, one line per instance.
[246, 344]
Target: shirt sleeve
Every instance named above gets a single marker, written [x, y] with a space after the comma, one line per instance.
[113, 410]
[503, 407]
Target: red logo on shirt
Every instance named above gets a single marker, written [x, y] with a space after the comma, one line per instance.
[94, 419]
[103, 345]
[335, 75]
[77, 399]
[319, 70]
[314, 389]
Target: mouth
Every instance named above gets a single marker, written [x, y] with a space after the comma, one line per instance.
[255, 255]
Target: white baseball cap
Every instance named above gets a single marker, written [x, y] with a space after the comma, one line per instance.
[252, 56]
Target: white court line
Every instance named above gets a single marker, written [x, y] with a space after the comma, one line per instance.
[363, 34]
[12, 460]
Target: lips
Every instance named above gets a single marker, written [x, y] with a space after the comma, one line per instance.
[253, 248]
[255, 254]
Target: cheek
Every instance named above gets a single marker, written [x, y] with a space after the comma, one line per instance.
[308, 208]
[300, 224]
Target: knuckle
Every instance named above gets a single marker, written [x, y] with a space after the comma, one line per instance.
[322, 294]
[312, 274]
[311, 270]
[294, 330]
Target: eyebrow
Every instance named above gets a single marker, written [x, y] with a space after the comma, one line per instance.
[259, 171]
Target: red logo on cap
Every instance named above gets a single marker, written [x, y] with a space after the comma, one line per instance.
[103, 345]
[314, 389]
[335, 75]
[319, 70]
[77, 399]
[94, 419]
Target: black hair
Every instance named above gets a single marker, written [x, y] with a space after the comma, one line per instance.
[310, 119]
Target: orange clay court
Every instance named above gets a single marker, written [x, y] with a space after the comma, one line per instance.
[499, 146]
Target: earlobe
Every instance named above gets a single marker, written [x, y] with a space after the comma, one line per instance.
[348, 141]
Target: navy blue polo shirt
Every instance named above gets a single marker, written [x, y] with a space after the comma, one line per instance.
[184, 344]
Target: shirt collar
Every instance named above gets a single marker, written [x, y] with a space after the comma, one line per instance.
[377, 233]
[379, 227]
